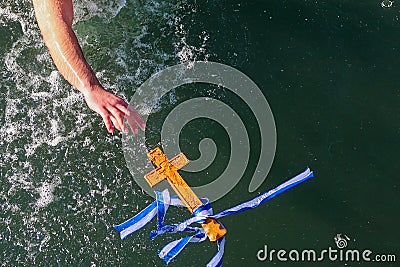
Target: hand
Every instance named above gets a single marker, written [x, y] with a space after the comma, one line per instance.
[113, 109]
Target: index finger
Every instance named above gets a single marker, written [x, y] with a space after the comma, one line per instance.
[136, 117]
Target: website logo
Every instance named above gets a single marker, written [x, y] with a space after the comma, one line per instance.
[340, 253]
[148, 96]
[341, 240]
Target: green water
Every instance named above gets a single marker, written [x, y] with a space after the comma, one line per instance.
[329, 70]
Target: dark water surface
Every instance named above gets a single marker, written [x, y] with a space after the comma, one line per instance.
[330, 72]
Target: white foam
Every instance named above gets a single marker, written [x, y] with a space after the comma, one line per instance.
[105, 9]
[36, 105]
[39, 106]
[185, 51]
[46, 195]
[45, 191]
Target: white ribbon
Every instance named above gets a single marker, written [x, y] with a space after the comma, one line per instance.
[163, 201]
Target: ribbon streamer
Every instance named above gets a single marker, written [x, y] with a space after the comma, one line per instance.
[163, 200]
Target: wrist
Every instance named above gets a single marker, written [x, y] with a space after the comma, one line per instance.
[91, 87]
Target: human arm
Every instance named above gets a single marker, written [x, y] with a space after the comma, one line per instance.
[55, 18]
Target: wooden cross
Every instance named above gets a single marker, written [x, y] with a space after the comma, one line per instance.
[168, 169]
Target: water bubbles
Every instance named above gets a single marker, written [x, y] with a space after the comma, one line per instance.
[45, 191]
[107, 10]
[185, 51]
[62, 178]
[46, 195]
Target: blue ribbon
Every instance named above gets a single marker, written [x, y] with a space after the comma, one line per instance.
[163, 200]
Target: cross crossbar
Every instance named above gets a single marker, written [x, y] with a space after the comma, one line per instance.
[168, 170]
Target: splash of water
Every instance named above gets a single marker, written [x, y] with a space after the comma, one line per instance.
[50, 194]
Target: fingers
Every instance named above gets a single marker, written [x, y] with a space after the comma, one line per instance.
[108, 123]
[118, 119]
[124, 107]
[110, 120]
[113, 110]
[116, 124]
[132, 124]
[116, 116]
[136, 118]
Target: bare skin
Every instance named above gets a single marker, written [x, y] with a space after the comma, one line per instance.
[55, 18]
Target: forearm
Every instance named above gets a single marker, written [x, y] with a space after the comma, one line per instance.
[54, 18]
